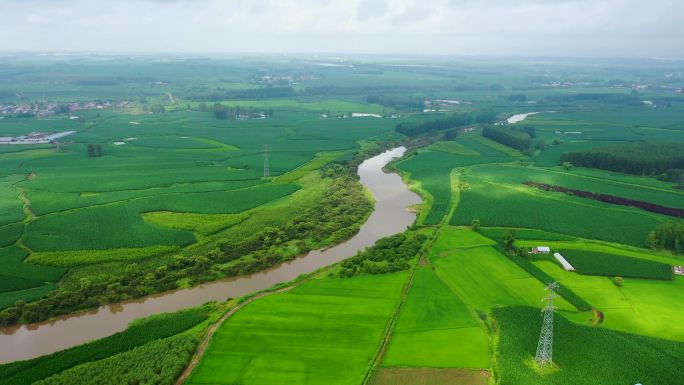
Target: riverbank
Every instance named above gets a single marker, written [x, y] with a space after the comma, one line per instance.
[390, 216]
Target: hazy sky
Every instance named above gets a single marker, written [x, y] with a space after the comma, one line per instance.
[635, 28]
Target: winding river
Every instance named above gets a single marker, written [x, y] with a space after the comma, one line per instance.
[389, 217]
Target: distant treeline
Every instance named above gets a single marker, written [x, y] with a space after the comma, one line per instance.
[630, 99]
[478, 87]
[668, 236]
[95, 82]
[516, 137]
[270, 92]
[612, 199]
[248, 94]
[443, 123]
[639, 159]
[359, 90]
[398, 102]
[112, 80]
[222, 112]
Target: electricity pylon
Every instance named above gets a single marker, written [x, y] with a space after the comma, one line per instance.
[267, 172]
[544, 354]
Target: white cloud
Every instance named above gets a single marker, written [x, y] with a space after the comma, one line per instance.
[491, 27]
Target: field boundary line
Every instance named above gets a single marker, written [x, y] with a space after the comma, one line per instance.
[389, 330]
[202, 348]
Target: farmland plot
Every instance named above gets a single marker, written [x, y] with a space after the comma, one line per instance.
[324, 332]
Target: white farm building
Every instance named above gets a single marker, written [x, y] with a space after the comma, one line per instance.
[541, 250]
[564, 262]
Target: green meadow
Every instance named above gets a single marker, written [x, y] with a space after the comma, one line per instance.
[436, 329]
[325, 331]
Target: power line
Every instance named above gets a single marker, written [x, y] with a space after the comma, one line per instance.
[544, 354]
[267, 172]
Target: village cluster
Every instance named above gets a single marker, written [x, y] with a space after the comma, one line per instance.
[51, 108]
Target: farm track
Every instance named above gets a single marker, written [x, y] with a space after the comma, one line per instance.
[201, 350]
[29, 214]
[389, 330]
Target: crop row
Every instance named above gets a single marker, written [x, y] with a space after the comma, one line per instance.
[584, 355]
[593, 263]
[157, 362]
[538, 273]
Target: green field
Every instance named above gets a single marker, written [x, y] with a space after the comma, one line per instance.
[592, 263]
[432, 170]
[324, 332]
[639, 306]
[436, 329]
[19, 279]
[584, 355]
[482, 277]
[497, 200]
[173, 182]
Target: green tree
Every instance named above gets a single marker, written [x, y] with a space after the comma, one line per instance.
[541, 144]
[508, 239]
[567, 166]
[475, 224]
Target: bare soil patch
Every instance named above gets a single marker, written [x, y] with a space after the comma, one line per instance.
[430, 376]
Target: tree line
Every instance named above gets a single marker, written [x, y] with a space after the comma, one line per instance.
[404, 103]
[638, 159]
[632, 99]
[611, 199]
[222, 112]
[520, 139]
[248, 94]
[94, 150]
[669, 236]
[413, 129]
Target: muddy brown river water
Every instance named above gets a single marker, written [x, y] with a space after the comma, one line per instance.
[389, 217]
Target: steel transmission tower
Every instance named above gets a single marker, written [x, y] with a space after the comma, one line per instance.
[267, 172]
[544, 354]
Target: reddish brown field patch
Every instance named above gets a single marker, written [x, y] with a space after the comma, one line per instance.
[430, 376]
